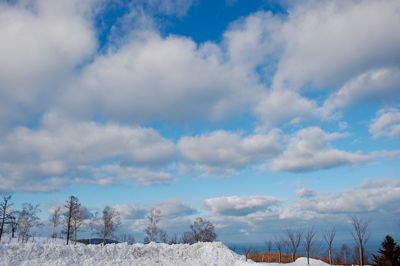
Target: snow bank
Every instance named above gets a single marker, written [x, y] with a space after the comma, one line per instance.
[119, 254]
[55, 253]
[300, 262]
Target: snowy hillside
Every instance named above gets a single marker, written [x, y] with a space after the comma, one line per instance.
[123, 254]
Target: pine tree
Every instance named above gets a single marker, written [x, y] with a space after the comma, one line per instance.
[389, 253]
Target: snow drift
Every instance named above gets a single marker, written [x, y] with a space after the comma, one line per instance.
[41, 253]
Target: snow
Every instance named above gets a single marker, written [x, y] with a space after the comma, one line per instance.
[57, 253]
[300, 262]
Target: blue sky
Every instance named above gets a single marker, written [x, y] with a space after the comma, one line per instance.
[257, 115]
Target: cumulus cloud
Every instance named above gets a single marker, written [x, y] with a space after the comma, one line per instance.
[305, 193]
[38, 54]
[57, 153]
[369, 199]
[371, 196]
[256, 31]
[191, 80]
[330, 45]
[386, 124]
[329, 42]
[260, 67]
[240, 206]
[309, 149]
[380, 84]
[285, 105]
[174, 208]
[226, 152]
[114, 173]
[130, 211]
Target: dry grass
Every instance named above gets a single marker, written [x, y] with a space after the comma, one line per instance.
[285, 258]
[270, 257]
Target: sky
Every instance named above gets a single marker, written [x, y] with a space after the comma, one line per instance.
[257, 115]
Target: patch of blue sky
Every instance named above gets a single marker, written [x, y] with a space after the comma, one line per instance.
[208, 19]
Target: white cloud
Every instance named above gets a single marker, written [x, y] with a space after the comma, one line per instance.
[386, 124]
[59, 151]
[372, 86]
[160, 79]
[374, 198]
[130, 211]
[325, 45]
[114, 173]
[329, 42]
[283, 105]
[305, 193]
[226, 152]
[174, 208]
[240, 206]
[369, 197]
[309, 150]
[38, 54]
[249, 41]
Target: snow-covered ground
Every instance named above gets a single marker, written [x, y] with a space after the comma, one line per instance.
[57, 253]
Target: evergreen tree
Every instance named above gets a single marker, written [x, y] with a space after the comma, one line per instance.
[389, 253]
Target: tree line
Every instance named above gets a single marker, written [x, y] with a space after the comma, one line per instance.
[389, 253]
[73, 217]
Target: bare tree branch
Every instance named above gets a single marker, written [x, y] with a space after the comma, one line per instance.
[55, 220]
[308, 243]
[110, 222]
[294, 241]
[361, 235]
[329, 236]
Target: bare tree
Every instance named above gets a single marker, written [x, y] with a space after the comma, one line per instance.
[55, 220]
[110, 222]
[13, 224]
[4, 212]
[187, 238]
[345, 252]
[294, 241]
[203, 230]
[27, 219]
[163, 236]
[152, 229]
[173, 239]
[329, 236]
[128, 238]
[94, 225]
[72, 206]
[78, 217]
[280, 246]
[247, 251]
[361, 235]
[308, 242]
[268, 244]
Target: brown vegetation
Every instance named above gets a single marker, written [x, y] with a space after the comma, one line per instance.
[270, 257]
[286, 258]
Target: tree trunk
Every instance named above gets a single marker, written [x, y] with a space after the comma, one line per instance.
[3, 218]
[280, 257]
[52, 231]
[361, 256]
[330, 256]
[69, 221]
